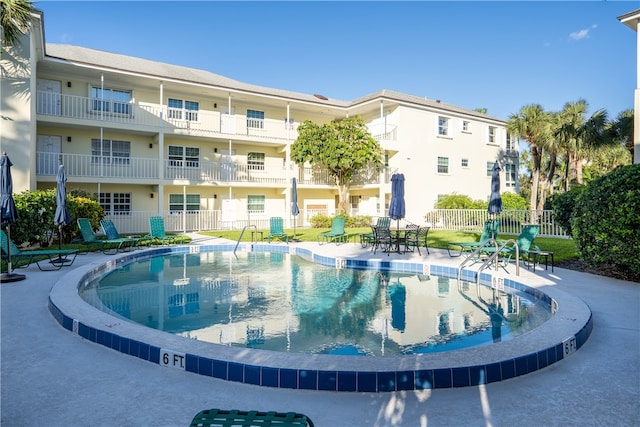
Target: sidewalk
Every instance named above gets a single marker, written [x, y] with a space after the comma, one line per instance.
[52, 377]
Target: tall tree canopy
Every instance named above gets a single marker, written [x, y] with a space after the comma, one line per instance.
[15, 18]
[343, 147]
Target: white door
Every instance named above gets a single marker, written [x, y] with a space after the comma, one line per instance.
[49, 98]
[49, 149]
[228, 120]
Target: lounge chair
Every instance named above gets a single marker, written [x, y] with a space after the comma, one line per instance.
[219, 417]
[276, 230]
[107, 246]
[524, 243]
[111, 232]
[157, 233]
[56, 257]
[336, 234]
[490, 230]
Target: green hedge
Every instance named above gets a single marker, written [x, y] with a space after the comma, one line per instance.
[606, 223]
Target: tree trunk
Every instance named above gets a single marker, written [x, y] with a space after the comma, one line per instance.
[343, 199]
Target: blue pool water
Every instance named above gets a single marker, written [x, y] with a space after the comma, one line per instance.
[282, 302]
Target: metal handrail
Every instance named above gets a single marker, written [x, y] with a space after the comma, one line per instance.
[472, 255]
[496, 254]
[241, 234]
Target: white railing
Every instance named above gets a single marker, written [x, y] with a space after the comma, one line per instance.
[511, 221]
[85, 165]
[179, 121]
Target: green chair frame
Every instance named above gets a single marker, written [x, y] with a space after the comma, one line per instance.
[157, 233]
[90, 240]
[276, 229]
[234, 417]
[336, 234]
[110, 230]
[57, 258]
[489, 230]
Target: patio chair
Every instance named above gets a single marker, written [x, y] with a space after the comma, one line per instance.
[367, 239]
[220, 417]
[276, 230]
[384, 239]
[157, 233]
[524, 243]
[336, 234]
[110, 230]
[90, 240]
[412, 238]
[489, 230]
[423, 233]
[56, 257]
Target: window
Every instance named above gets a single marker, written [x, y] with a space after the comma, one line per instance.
[109, 151]
[490, 168]
[176, 202]
[492, 135]
[288, 123]
[115, 203]
[443, 165]
[111, 100]
[511, 143]
[464, 163]
[255, 119]
[510, 175]
[255, 204]
[255, 161]
[443, 126]
[187, 157]
[466, 126]
[179, 109]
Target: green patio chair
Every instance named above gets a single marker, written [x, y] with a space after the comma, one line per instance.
[524, 243]
[490, 229]
[220, 417]
[90, 240]
[110, 230]
[276, 230]
[157, 233]
[336, 234]
[57, 258]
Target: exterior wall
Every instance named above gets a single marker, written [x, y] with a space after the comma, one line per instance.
[406, 129]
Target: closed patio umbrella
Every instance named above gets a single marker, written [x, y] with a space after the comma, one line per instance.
[396, 205]
[8, 214]
[61, 217]
[295, 211]
[495, 200]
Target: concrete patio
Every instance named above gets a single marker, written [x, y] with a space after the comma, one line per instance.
[52, 377]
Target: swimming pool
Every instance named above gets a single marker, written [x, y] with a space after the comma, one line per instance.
[551, 342]
[283, 302]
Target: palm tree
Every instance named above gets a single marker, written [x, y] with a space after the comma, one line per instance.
[622, 130]
[568, 132]
[533, 125]
[15, 18]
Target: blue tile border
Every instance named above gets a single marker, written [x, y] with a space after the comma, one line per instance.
[347, 380]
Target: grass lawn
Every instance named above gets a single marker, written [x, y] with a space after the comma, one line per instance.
[563, 249]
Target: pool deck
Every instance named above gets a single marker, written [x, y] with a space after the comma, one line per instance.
[52, 377]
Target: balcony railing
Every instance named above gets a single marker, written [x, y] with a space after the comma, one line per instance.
[179, 121]
[136, 168]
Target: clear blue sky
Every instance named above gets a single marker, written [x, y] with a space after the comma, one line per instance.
[497, 55]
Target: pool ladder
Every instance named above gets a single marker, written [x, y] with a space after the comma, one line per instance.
[241, 234]
[473, 256]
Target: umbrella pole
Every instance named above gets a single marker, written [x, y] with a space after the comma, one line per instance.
[60, 260]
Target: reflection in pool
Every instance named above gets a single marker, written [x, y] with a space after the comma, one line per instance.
[282, 302]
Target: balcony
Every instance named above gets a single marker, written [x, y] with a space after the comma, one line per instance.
[142, 170]
[61, 108]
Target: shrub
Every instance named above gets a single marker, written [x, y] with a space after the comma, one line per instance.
[36, 210]
[459, 201]
[606, 224]
[563, 205]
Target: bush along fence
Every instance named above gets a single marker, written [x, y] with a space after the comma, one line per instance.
[511, 221]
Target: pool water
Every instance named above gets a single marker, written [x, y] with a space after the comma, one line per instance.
[282, 302]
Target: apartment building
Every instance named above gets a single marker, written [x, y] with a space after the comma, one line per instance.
[209, 152]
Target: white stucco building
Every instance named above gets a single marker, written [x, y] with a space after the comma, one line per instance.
[208, 152]
[632, 20]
